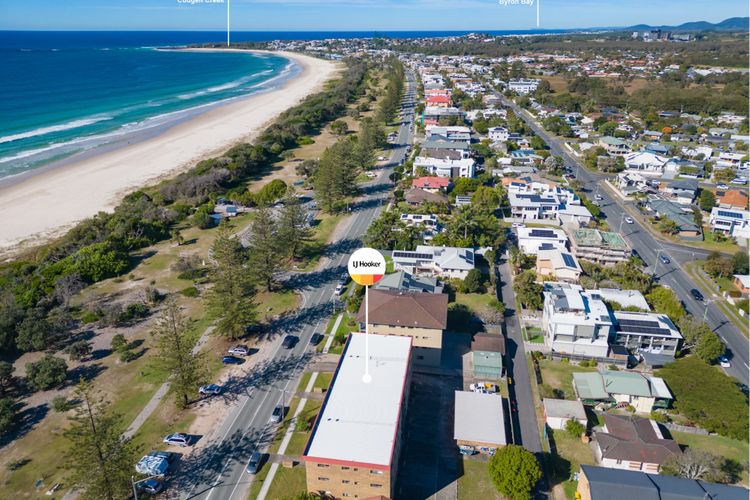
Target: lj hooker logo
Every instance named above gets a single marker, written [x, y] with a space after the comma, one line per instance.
[366, 266]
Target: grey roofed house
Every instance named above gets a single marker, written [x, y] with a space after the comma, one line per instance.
[450, 154]
[619, 484]
[479, 418]
[562, 408]
[675, 212]
[402, 280]
[416, 196]
[443, 143]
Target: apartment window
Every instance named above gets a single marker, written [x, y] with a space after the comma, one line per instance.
[375, 485]
[324, 479]
[345, 481]
[374, 471]
[619, 462]
[322, 466]
[343, 467]
[345, 494]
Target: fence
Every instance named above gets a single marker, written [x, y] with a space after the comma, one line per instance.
[684, 428]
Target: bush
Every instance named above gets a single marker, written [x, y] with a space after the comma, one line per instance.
[46, 373]
[574, 428]
[79, 350]
[62, 404]
[127, 356]
[118, 342]
[190, 291]
[7, 414]
[660, 417]
[89, 317]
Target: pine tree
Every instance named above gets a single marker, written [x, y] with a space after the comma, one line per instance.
[100, 459]
[336, 175]
[233, 285]
[293, 230]
[175, 354]
[264, 248]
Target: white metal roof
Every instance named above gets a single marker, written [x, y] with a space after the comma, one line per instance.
[479, 418]
[358, 421]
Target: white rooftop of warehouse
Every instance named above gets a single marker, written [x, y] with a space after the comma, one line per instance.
[358, 421]
[479, 418]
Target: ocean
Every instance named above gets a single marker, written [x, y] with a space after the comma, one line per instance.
[64, 93]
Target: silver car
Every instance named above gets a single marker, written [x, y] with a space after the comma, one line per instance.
[178, 439]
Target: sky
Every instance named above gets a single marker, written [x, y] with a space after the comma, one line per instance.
[355, 15]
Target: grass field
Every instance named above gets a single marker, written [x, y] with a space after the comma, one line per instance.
[559, 375]
[475, 482]
[474, 301]
[717, 445]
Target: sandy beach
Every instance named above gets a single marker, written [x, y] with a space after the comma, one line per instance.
[44, 205]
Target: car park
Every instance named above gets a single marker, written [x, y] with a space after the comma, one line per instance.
[232, 360]
[724, 362]
[697, 295]
[484, 388]
[278, 414]
[253, 465]
[290, 341]
[629, 220]
[150, 486]
[316, 338]
[177, 439]
[664, 259]
[210, 390]
[239, 350]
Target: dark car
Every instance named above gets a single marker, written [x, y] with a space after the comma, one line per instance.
[254, 464]
[290, 341]
[150, 486]
[664, 259]
[232, 360]
[316, 338]
[697, 295]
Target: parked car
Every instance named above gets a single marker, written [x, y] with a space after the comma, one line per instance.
[290, 341]
[518, 224]
[316, 338]
[254, 464]
[150, 486]
[344, 279]
[178, 439]
[232, 360]
[210, 390]
[629, 220]
[598, 197]
[741, 182]
[697, 295]
[155, 463]
[239, 350]
[724, 362]
[340, 290]
[722, 186]
[381, 158]
[484, 388]
[664, 259]
[278, 414]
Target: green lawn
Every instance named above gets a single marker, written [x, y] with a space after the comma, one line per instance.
[286, 483]
[534, 334]
[474, 301]
[717, 445]
[559, 375]
[475, 482]
[272, 304]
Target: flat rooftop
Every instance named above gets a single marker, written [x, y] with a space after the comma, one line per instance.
[479, 418]
[594, 237]
[358, 422]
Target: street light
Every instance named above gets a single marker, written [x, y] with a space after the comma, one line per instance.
[622, 219]
[656, 264]
[705, 311]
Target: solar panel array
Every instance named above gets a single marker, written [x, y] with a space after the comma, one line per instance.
[731, 215]
[413, 255]
[569, 260]
[638, 322]
[542, 233]
[639, 326]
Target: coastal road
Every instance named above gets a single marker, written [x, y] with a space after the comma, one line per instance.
[217, 471]
[648, 246]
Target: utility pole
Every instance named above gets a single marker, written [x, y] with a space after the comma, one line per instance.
[135, 490]
[656, 264]
[622, 219]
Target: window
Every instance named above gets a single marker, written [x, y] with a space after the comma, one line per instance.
[375, 485]
[374, 471]
[324, 479]
[619, 462]
[345, 481]
[345, 494]
[322, 465]
[343, 467]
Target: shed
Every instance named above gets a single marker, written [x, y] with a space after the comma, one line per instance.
[557, 412]
[487, 364]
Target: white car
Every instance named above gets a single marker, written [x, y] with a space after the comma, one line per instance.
[722, 186]
[382, 158]
[178, 439]
[340, 290]
[518, 224]
[240, 350]
[629, 220]
[724, 362]
[598, 197]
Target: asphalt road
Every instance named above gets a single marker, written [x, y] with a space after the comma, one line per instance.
[648, 247]
[217, 471]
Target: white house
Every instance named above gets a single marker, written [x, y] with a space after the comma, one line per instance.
[532, 240]
[453, 133]
[446, 262]
[445, 167]
[523, 87]
[559, 265]
[645, 163]
[730, 221]
[497, 134]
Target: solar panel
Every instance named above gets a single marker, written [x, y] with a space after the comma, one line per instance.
[413, 255]
[731, 215]
[569, 260]
[638, 323]
[645, 330]
[542, 233]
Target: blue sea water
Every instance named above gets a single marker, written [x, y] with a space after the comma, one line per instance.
[59, 99]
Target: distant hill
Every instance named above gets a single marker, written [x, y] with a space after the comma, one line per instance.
[731, 24]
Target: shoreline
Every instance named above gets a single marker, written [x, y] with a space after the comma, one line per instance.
[44, 203]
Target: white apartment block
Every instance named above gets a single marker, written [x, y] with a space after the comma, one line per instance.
[444, 167]
[523, 87]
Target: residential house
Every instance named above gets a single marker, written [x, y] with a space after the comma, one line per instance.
[733, 198]
[630, 183]
[427, 222]
[497, 134]
[645, 163]
[576, 321]
[416, 197]
[355, 444]
[658, 149]
[458, 133]
[624, 298]
[683, 191]
[557, 264]
[603, 483]
[522, 86]
[614, 146]
[731, 222]
[532, 240]
[421, 316]
[574, 216]
[487, 353]
[445, 167]
[646, 333]
[557, 413]
[652, 135]
[742, 283]
[432, 115]
[633, 443]
[599, 246]
[681, 215]
[621, 388]
[406, 282]
[446, 262]
[439, 101]
[479, 422]
[431, 184]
